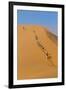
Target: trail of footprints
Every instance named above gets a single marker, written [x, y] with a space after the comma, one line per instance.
[49, 57]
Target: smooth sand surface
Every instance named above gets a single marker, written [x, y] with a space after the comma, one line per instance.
[37, 53]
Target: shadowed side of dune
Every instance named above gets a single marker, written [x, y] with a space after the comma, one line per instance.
[52, 36]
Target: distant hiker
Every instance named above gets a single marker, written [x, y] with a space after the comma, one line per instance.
[36, 37]
[23, 28]
[34, 31]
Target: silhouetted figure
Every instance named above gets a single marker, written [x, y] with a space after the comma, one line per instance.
[23, 28]
[36, 37]
[34, 31]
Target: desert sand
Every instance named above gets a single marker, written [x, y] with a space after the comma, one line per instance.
[37, 53]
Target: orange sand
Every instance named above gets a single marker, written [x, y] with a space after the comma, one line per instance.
[32, 61]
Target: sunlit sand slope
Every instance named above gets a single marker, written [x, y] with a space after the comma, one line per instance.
[37, 53]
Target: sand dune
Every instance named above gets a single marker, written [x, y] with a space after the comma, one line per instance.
[37, 53]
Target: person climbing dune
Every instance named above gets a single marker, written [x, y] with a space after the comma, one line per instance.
[23, 28]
